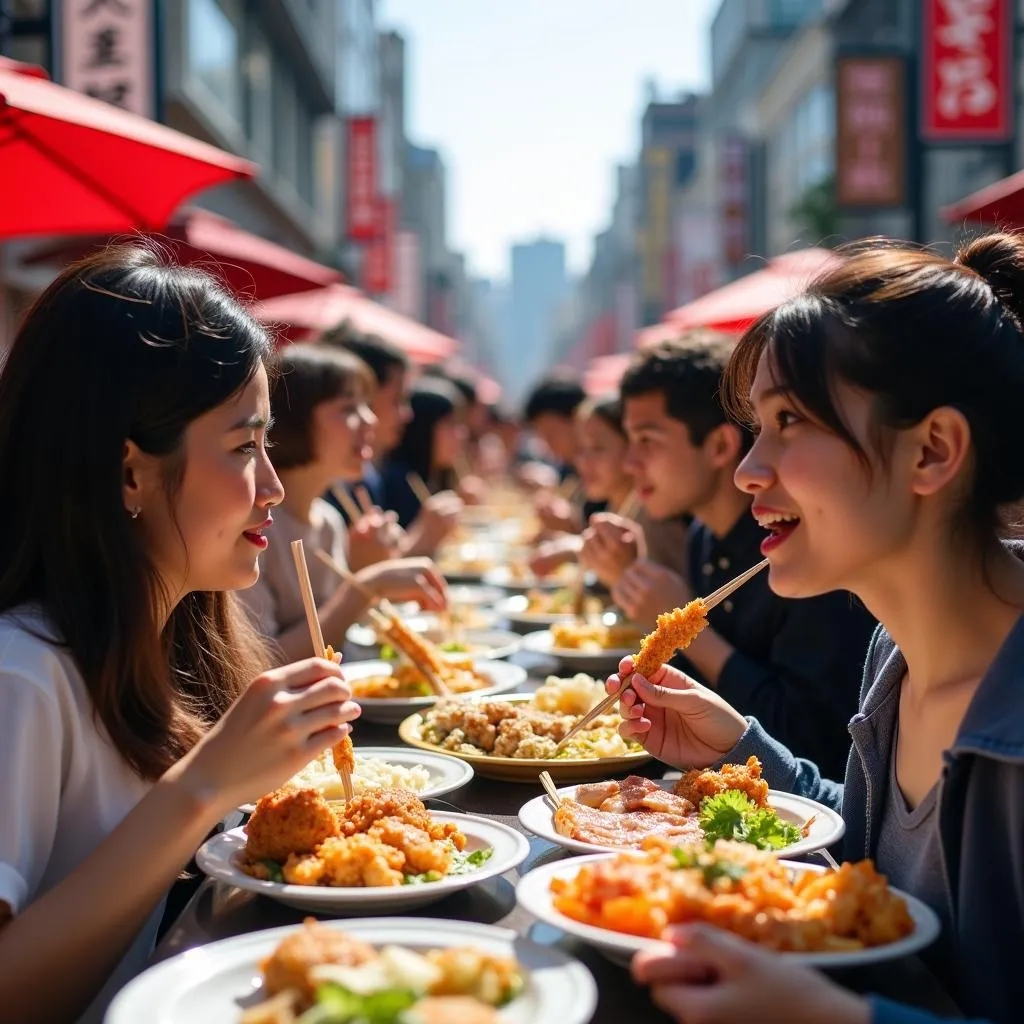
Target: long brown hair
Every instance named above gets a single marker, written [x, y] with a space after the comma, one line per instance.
[121, 346]
[915, 331]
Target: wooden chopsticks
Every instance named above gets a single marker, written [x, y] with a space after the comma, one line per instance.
[315, 633]
[709, 602]
[549, 788]
[418, 487]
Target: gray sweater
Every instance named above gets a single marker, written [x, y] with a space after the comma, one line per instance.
[981, 818]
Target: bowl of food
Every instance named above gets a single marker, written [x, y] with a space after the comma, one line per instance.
[732, 803]
[514, 738]
[586, 645]
[382, 850]
[392, 970]
[388, 691]
[812, 915]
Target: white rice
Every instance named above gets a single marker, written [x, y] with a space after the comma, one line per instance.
[370, 773]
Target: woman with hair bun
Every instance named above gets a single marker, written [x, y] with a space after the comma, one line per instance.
[889, 452]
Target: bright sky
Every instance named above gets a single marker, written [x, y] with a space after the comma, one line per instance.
[533, 102]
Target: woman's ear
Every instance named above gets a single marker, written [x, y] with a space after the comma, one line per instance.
[134, 476]
[942, 446]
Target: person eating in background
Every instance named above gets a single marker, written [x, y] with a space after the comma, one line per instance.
[390, 404]
[600, 455]
[323, 432]
[794, 664]
[549, 413]
[430, 448]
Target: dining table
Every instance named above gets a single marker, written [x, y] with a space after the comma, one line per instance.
[220, 911]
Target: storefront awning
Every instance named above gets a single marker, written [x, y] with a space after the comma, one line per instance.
[1001, 203]
[305, 315]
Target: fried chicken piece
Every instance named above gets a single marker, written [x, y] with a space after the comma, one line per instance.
[289, 820]
[511, 733]
[699, 783]
[675, 632]
[344, 756]
[313, 945]
[360, 860]
[389, 802]
[420, 851]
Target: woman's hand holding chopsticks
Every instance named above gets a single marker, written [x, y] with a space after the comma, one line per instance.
[676, 719]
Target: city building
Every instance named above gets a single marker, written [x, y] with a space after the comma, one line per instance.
[538, 287]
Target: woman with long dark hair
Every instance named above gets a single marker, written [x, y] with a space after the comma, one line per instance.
[433, 440]
[135, 488]
[889, 449]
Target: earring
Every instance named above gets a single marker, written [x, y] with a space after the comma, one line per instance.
[135, 512]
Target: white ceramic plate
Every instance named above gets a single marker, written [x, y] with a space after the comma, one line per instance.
[218, 857]
[213, 983]
[513, 610]
[595, 663]
[827, 827]
[469, 596]
[391, 710]
[519, 583]
[534, 894]
[447, 773]
[492, 644]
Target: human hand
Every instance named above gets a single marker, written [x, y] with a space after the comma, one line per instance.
[537, 476]
[553, 553]
[374, 537]
[284, 719]
[556, 514]
[408, 579]
[704, 975]
[611, 545]
[676, 719]
[437, 518]
[646, 589]
[472, 490]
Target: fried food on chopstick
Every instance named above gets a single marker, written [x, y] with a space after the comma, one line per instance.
[344, 756]
[675, 632]
[424, 656]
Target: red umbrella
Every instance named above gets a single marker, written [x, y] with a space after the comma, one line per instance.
[735, 306]
[310, 313]
[70, 164]
[21, 68]
[251, 265]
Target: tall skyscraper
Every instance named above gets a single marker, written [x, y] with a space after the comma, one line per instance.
[538, 287]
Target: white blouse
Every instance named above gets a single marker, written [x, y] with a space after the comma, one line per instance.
[63, 786]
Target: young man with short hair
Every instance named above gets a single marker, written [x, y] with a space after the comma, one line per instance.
[794, 665]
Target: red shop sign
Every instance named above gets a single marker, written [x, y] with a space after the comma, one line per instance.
[361, 209]
[966, 67]
[378, 261]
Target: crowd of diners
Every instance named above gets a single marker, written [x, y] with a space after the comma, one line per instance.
[159, 451]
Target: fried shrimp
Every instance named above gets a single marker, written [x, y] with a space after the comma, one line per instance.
[344, 756]
[675, 632]
[287, 821]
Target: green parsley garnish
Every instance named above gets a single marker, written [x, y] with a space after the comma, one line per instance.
[732, 815]
[462, 864]
[274, 870]
[335, 1004]
[711, 867]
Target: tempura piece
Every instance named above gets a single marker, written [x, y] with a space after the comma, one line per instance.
[421, 652]
[287, 821]
[701, 782]
[675, 632]
[344, 756]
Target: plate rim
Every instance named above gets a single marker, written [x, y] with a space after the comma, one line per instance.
[584, 991]
[340, 897]
[536, 901]
[804, 847]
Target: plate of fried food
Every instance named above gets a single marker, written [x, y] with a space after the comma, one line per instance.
[388, 691]
[426, 775]
[732, 803]
[382, 850]
[514, 737]
[453, 642]
[392, 970]
[527, 612]
[586, 645]
[517, 576]
[814, 915]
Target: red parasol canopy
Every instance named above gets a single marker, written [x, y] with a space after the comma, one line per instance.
[735, 306]
[309, 313]
[999, 203]
[251, 265]
[70, 164]
[20, 68]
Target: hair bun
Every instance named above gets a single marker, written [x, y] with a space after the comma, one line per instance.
[999, 259]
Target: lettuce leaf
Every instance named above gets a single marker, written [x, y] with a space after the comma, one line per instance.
[732, 815]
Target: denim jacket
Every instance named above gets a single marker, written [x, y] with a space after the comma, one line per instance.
[981, 818]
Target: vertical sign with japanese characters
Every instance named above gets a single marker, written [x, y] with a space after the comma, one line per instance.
[733, 178]
[378, 262]
[362, 208]
[966, 66]
[108, 51]
[871, 132]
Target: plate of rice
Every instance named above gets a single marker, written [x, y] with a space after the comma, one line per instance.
[428, 775]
